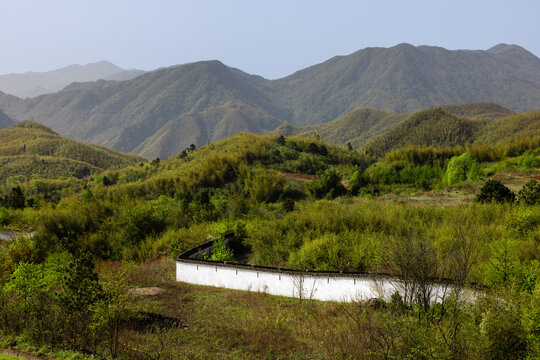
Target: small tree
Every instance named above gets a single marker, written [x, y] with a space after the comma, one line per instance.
[221, 251]
[458, 168]
[495, 191]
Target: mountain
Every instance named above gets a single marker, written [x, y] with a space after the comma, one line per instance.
[405, 78]
[5, 121]
[158, 113]
[31, 149]
[32, 84]
[123, 115]
[364, 124]
[436, 127]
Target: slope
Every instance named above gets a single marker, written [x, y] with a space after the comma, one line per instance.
[32, 84]
[190, 97]
[124, 114]
[405, 78]
[31, 149]
[5, 121]
[363, 124]
[436, 127]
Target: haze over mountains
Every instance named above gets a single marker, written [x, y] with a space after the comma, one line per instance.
[160, 113]
[32, 84]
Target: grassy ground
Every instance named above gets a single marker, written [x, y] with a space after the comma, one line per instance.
[226, 324]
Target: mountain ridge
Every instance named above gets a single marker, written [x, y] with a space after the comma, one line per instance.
[133, 115]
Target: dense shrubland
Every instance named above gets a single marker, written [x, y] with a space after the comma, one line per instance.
[51, 293]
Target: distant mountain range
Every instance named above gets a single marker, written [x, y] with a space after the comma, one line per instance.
[32, 84]
[162, 112]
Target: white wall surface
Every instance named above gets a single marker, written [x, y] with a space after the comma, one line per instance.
[342, 288]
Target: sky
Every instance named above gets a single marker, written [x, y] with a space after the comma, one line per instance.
[270, 38]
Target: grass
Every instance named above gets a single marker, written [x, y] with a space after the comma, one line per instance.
[6, 357]
[224, 324]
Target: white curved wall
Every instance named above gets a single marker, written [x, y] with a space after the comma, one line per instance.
[333, 288]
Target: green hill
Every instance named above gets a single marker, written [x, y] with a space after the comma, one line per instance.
[363, 124]
[32, 149]
[356, 127]
[436, 127]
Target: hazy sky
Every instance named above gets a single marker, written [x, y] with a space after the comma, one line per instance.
[271, 38]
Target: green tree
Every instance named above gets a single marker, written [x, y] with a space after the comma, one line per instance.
[221, 251]
[458, 168]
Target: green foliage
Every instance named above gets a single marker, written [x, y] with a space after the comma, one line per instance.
[530, 193]
[503, 334]
[5, 216]
[495, 191]
[459, 168]
[265, 185]
[529, 160]
[15, 199]
[358, 180]
[140, 222]
[327, 185]
[503, 265]
[221, 252]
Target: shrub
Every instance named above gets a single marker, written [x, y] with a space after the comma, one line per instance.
[529, 160]
[358, 180]
[5, 216]
[221, 251]
[328, 184]
[530, 193]
[495, 191]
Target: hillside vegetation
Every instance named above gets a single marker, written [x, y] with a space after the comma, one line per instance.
[436, 127]
[29, 149]
[296, 202]
[207, 101]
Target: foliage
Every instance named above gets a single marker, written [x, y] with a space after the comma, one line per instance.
[327, 185]
[458, 169]
[5, 216]
[221, 252]
[530, 193]
[495, 191]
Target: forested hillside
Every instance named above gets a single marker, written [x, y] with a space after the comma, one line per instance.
[436, 127]
[31, 150]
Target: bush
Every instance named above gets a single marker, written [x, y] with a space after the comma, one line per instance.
[328, 184]
[495, 191]
[5, 216]
[530, 193]
[528, 160]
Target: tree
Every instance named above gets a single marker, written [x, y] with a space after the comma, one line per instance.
[495, 191]
[221, 252]
[458, 168]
